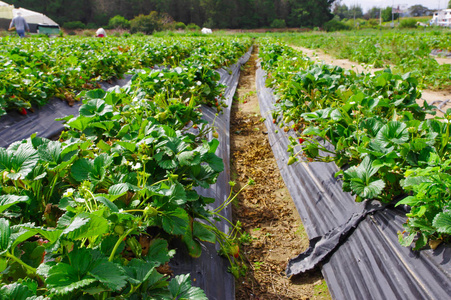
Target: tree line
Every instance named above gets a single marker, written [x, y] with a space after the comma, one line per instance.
[208, 13]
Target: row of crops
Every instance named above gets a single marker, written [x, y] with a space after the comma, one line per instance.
[35, 70]
[92, 214]
[404, 51]
[373, 129]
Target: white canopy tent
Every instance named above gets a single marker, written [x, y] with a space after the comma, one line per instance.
[7, 12]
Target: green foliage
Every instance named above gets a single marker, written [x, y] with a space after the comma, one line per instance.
[278, 23]
[192, 26]
[372, 124]
[387, 14]
[179, 25]
[214, 13]
[75, 214]
[406, 51]
[74, 25]
[146, 23]
[408, 23]
[118, 22]
[334, 25]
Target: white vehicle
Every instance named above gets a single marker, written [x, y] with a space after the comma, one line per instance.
[441, 18]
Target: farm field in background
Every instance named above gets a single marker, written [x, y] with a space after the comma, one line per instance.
[405, 51]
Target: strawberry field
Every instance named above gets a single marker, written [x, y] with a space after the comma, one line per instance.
[92, 212]
[402, 51]
[36, 70]
[137, 178]
[380, 136]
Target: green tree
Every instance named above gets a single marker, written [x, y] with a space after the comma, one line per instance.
[278, 23]
[387, 14]
[341, 10]
[355, 11]
[373, 13]
[308, 13]
[146, 23]
[118, 22]
[419, 10]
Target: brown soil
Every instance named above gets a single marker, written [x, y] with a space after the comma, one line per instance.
[437, 98]
[266, 210]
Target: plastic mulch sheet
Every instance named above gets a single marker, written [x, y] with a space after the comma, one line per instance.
[355, 244]
[209, 271]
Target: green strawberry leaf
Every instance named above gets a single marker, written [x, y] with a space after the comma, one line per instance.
[16, 291]
[442, 222]
[5, 234]
[18, 161]
[158, 253]
[203, 233]
[9, 200]
[180, 288]
[189, 158]
[81, 168]
[175, 221]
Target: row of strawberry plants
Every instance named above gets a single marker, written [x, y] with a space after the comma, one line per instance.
[92, 215]
[381, 138]
[405, 51]
[34, 70]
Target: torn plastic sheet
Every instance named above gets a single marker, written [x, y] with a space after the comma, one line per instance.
[368, 262]
[323, 246]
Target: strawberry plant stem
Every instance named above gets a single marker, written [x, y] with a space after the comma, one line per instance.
[30, 270]
[119, 241]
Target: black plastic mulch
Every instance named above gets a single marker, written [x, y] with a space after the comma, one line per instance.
[209, 271]
[357, 245]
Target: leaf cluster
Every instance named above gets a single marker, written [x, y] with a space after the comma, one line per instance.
[372, 127]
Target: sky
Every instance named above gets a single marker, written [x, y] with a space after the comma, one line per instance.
[367, 4]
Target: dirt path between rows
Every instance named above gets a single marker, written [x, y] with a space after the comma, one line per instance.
[441, 99]
[266, 210]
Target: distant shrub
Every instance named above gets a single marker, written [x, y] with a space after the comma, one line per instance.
[168, 27]
[192, 26]
[408, 23]
[334, 25]
[146, 23]
[373, 22]
[118, 22]
[278, 23]
[164, 33]
[87, 33]
[126, 34]
[179, 25]
[91, 26]
[74, 25]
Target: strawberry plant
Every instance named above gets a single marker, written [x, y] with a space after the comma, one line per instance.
[405, 51]
[38, 69]
[369, 124]
[93, 214]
